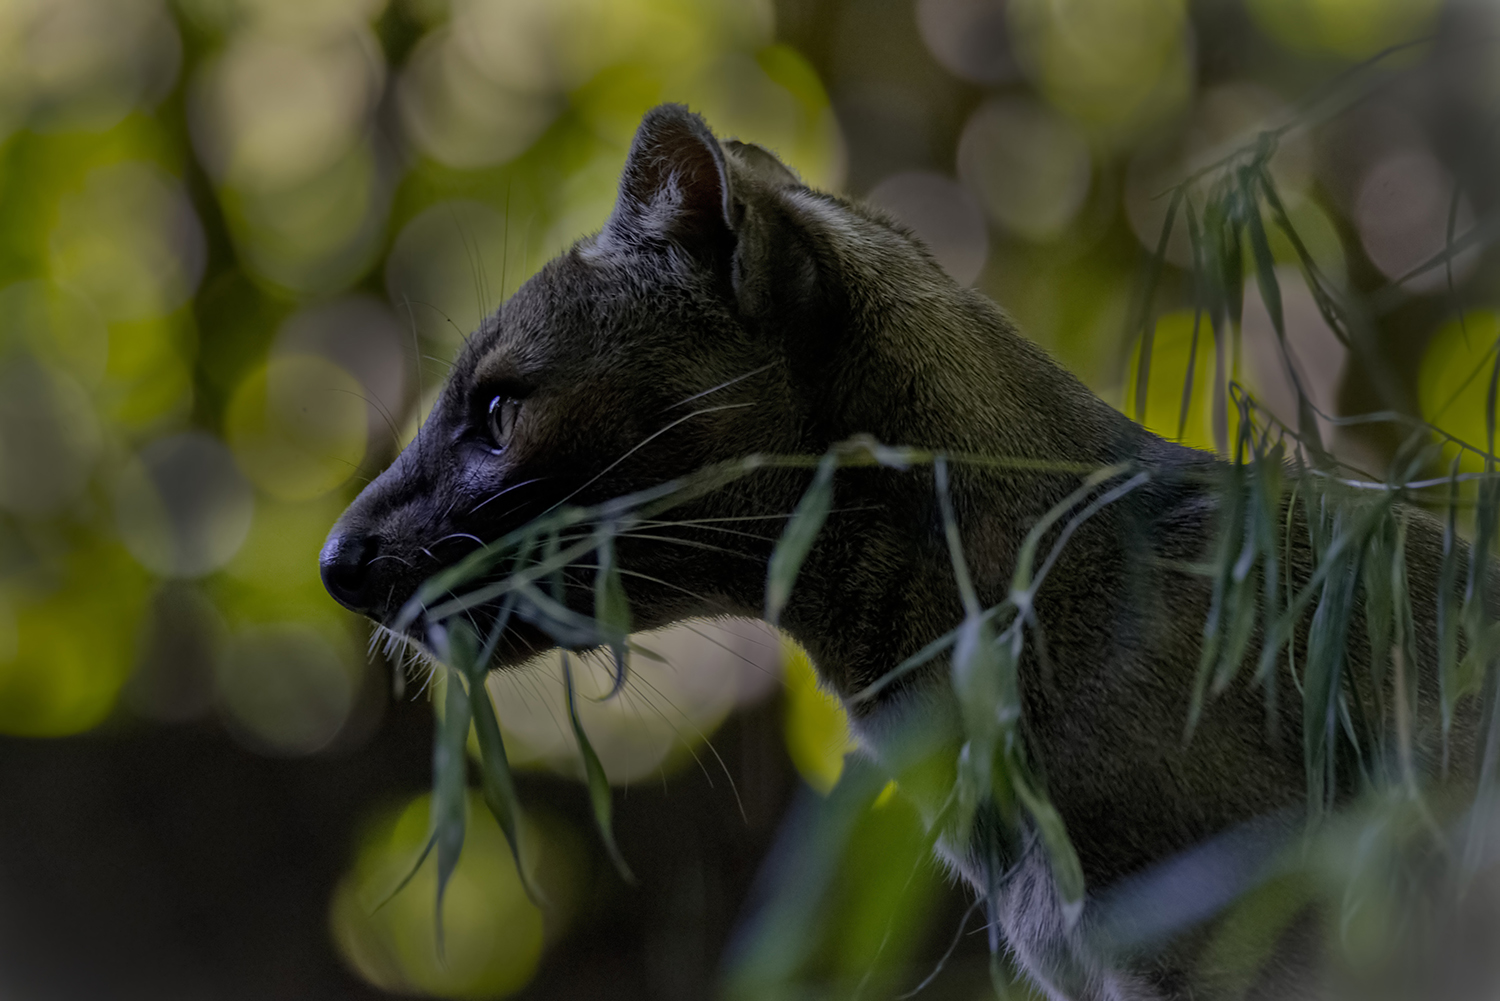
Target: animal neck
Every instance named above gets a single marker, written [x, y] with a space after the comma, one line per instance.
[927, 364]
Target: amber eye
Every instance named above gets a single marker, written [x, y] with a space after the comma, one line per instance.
[502, 417]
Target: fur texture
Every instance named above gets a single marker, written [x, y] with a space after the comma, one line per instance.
[727, 309]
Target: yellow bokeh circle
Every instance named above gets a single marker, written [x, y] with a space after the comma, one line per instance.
[1453, 383]
[1352, 29]
[298, 426]
[492, 934]
[66, 649]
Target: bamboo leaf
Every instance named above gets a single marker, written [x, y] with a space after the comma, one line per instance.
[600, 795]
[797, 538]
[496, 782]
[1335, 312]
[567, 628]
[612, 607]
[1324, 705]
[1148, 292]
[449, 785]
[1270, 294]
[1195, 240]
[1231, 521]
[1380, 627]
[1066, 869]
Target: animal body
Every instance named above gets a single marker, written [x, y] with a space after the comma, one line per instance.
[726, 309]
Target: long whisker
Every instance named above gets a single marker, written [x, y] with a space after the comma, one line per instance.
[460, 535]
[733, 652]
[647, 577]
[690, 543]
[722, 385]
[729, 777]
[707, 528]
[380, 408]
[513, 486]
[642, 444]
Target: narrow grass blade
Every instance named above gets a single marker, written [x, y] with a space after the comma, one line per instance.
[1270, 294]
[1195, 241]
[410, 874]
[496, 782]
[1212, 283]
[1380, 627]
[612, 607]
[567, 628]
[1335, 312]
[600, 795]
[1323, 705]
[1267, 504]
[797, 538]
[449, 785]
[955, 541]
[1220, 606]
[1066, 868]
[1148, 293]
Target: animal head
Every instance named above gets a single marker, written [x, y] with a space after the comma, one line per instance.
[706, 321]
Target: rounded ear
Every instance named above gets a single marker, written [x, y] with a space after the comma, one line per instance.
[675, 186]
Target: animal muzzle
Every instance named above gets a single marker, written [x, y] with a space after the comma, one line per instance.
[346, 571]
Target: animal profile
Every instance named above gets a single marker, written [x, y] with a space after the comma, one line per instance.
[1088, 654]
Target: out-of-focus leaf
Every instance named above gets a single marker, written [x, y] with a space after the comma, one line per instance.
[1066, 868]
[1142, 320]
[1323, 678]
[450, 779]
[612, 607]
[496, 782]
[600, 795]
[1270, 294]
[798, 536]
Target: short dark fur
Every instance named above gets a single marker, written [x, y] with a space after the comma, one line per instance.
[717, 266]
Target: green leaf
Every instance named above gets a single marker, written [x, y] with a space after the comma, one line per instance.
[955, 541]
[450, 781]
[611, 606]
[1380, 626]
[498, 785]
[1221, 598]
[1270, 294]
[1066, 869]
[797, 538]
[977, 684]
[1323, 688]
[1148, 292]
[600, 795]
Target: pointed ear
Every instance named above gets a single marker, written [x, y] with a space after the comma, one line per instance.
[762, 164]
[675, 185]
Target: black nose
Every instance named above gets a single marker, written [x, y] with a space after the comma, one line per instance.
[345, 565]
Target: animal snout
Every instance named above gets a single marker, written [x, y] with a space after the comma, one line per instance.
[345, 566]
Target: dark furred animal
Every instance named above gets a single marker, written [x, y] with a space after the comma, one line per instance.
[726, 309]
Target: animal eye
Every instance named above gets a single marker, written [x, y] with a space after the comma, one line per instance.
[502, 421]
